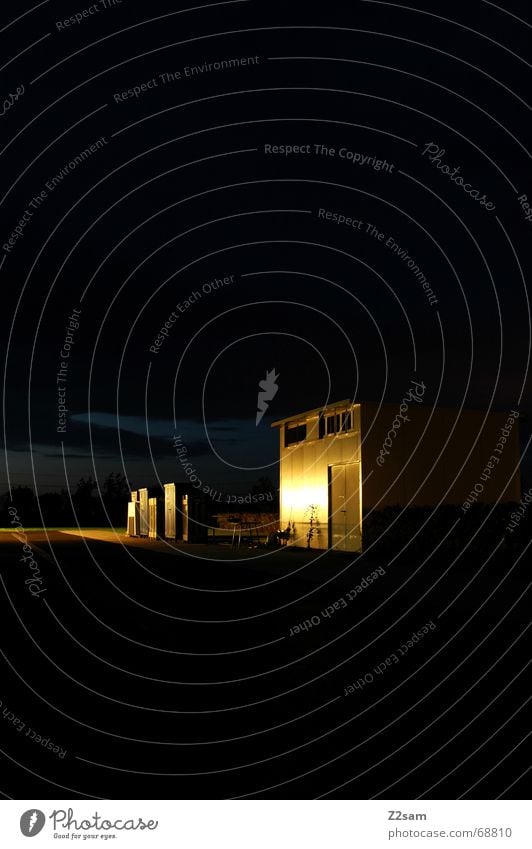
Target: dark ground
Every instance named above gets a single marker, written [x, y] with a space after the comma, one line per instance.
[174, 675]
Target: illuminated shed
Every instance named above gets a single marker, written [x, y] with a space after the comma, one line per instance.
[341, 461]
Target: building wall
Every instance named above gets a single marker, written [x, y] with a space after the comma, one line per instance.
[417, 469]
[304, 476]
[413, 456]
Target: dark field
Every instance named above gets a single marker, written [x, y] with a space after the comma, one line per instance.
[189, 671]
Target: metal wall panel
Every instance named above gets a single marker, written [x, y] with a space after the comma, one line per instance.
[132, 528]
[144, 519]
[152, 518]
[170, 524]
[186, 528]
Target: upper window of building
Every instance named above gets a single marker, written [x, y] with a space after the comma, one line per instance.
[335, 423]
[294, 433]
[328, 424]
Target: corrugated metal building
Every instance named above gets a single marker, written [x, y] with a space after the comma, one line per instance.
[338, 462]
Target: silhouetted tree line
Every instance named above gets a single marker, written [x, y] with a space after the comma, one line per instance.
[88, 507]
[85, 506]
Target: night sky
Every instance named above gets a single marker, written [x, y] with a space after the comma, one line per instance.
[238, 172]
